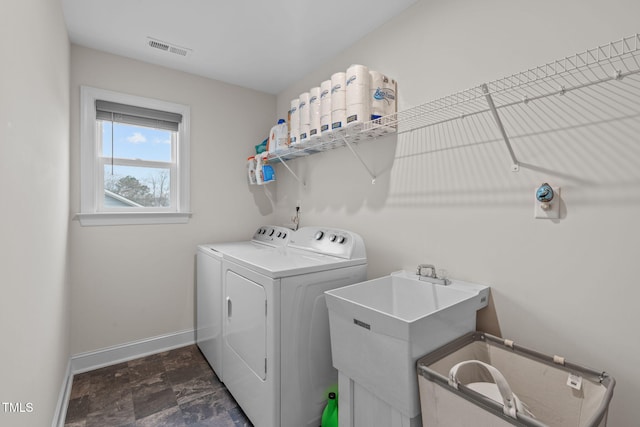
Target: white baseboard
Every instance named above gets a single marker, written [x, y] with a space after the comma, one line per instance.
[91, 360]
[63, 398]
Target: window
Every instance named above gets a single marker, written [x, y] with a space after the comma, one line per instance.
[134, 159]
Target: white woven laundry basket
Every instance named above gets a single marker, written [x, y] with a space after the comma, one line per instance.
[483, 381]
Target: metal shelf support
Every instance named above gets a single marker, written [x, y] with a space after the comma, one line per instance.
[296, 177]
[516, 165]
[357, 156]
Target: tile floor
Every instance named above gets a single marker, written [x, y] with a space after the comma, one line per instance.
[176, 388]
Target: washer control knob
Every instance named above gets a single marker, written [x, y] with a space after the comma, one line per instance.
[332, 237]
[279, 233]
[342, 239]
[319, 235]
[284, 235]
[271, 232]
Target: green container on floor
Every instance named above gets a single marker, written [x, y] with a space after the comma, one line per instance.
[330, 413]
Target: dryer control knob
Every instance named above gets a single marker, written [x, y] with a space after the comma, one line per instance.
[319, 235]
[342, 239]
[332, 237]
[271, 232]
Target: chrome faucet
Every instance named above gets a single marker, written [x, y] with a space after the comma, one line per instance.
[431, 275]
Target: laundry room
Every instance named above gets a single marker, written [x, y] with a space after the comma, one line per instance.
[507, 171]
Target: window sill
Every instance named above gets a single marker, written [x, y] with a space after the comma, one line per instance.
[132, 218]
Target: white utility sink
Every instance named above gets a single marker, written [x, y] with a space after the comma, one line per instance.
[381, 327]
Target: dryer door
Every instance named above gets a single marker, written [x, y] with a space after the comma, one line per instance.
[251, 363]
[246, 323]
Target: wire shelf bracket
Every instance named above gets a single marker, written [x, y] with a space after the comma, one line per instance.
[357, 156]
[516, 165]
[296, 177]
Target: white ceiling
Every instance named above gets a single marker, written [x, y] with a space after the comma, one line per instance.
[260, 44]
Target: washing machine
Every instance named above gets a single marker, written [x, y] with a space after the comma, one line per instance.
[276, 348]
[209, 293]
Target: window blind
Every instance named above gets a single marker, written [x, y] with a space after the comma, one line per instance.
[129, 114]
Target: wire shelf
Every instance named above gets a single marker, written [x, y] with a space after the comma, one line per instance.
[614, 62]
[339, 138]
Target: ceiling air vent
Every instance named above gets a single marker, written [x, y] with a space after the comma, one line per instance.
[178, 50]
[168, 47]
[158, 45]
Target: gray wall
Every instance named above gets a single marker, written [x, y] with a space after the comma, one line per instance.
[34, 172]
[135, 282]
[563, 287]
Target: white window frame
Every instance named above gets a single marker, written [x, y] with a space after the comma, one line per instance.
[92, 165]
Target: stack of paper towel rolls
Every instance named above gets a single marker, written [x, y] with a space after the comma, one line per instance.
[358, 94]
[314, 112]
[338, 100]
[305, 117]
[325, 106]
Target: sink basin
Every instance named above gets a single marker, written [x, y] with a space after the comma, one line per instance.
[381, 327]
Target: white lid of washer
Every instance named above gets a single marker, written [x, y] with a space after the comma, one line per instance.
[285, 262]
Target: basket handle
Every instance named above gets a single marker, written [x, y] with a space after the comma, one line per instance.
[508, 400]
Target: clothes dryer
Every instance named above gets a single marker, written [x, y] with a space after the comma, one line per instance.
[276, 345]
[209, 294]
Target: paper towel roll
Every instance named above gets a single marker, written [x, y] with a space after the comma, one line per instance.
[358, 75]
[382, 95]
[295, 121]
[314, 111]
[304, 133]
[338, 91]
[325, 98]
[338, 119]
[357, 94]
[358, 113]
[325, 123]
[325, 106]
[303, 107]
